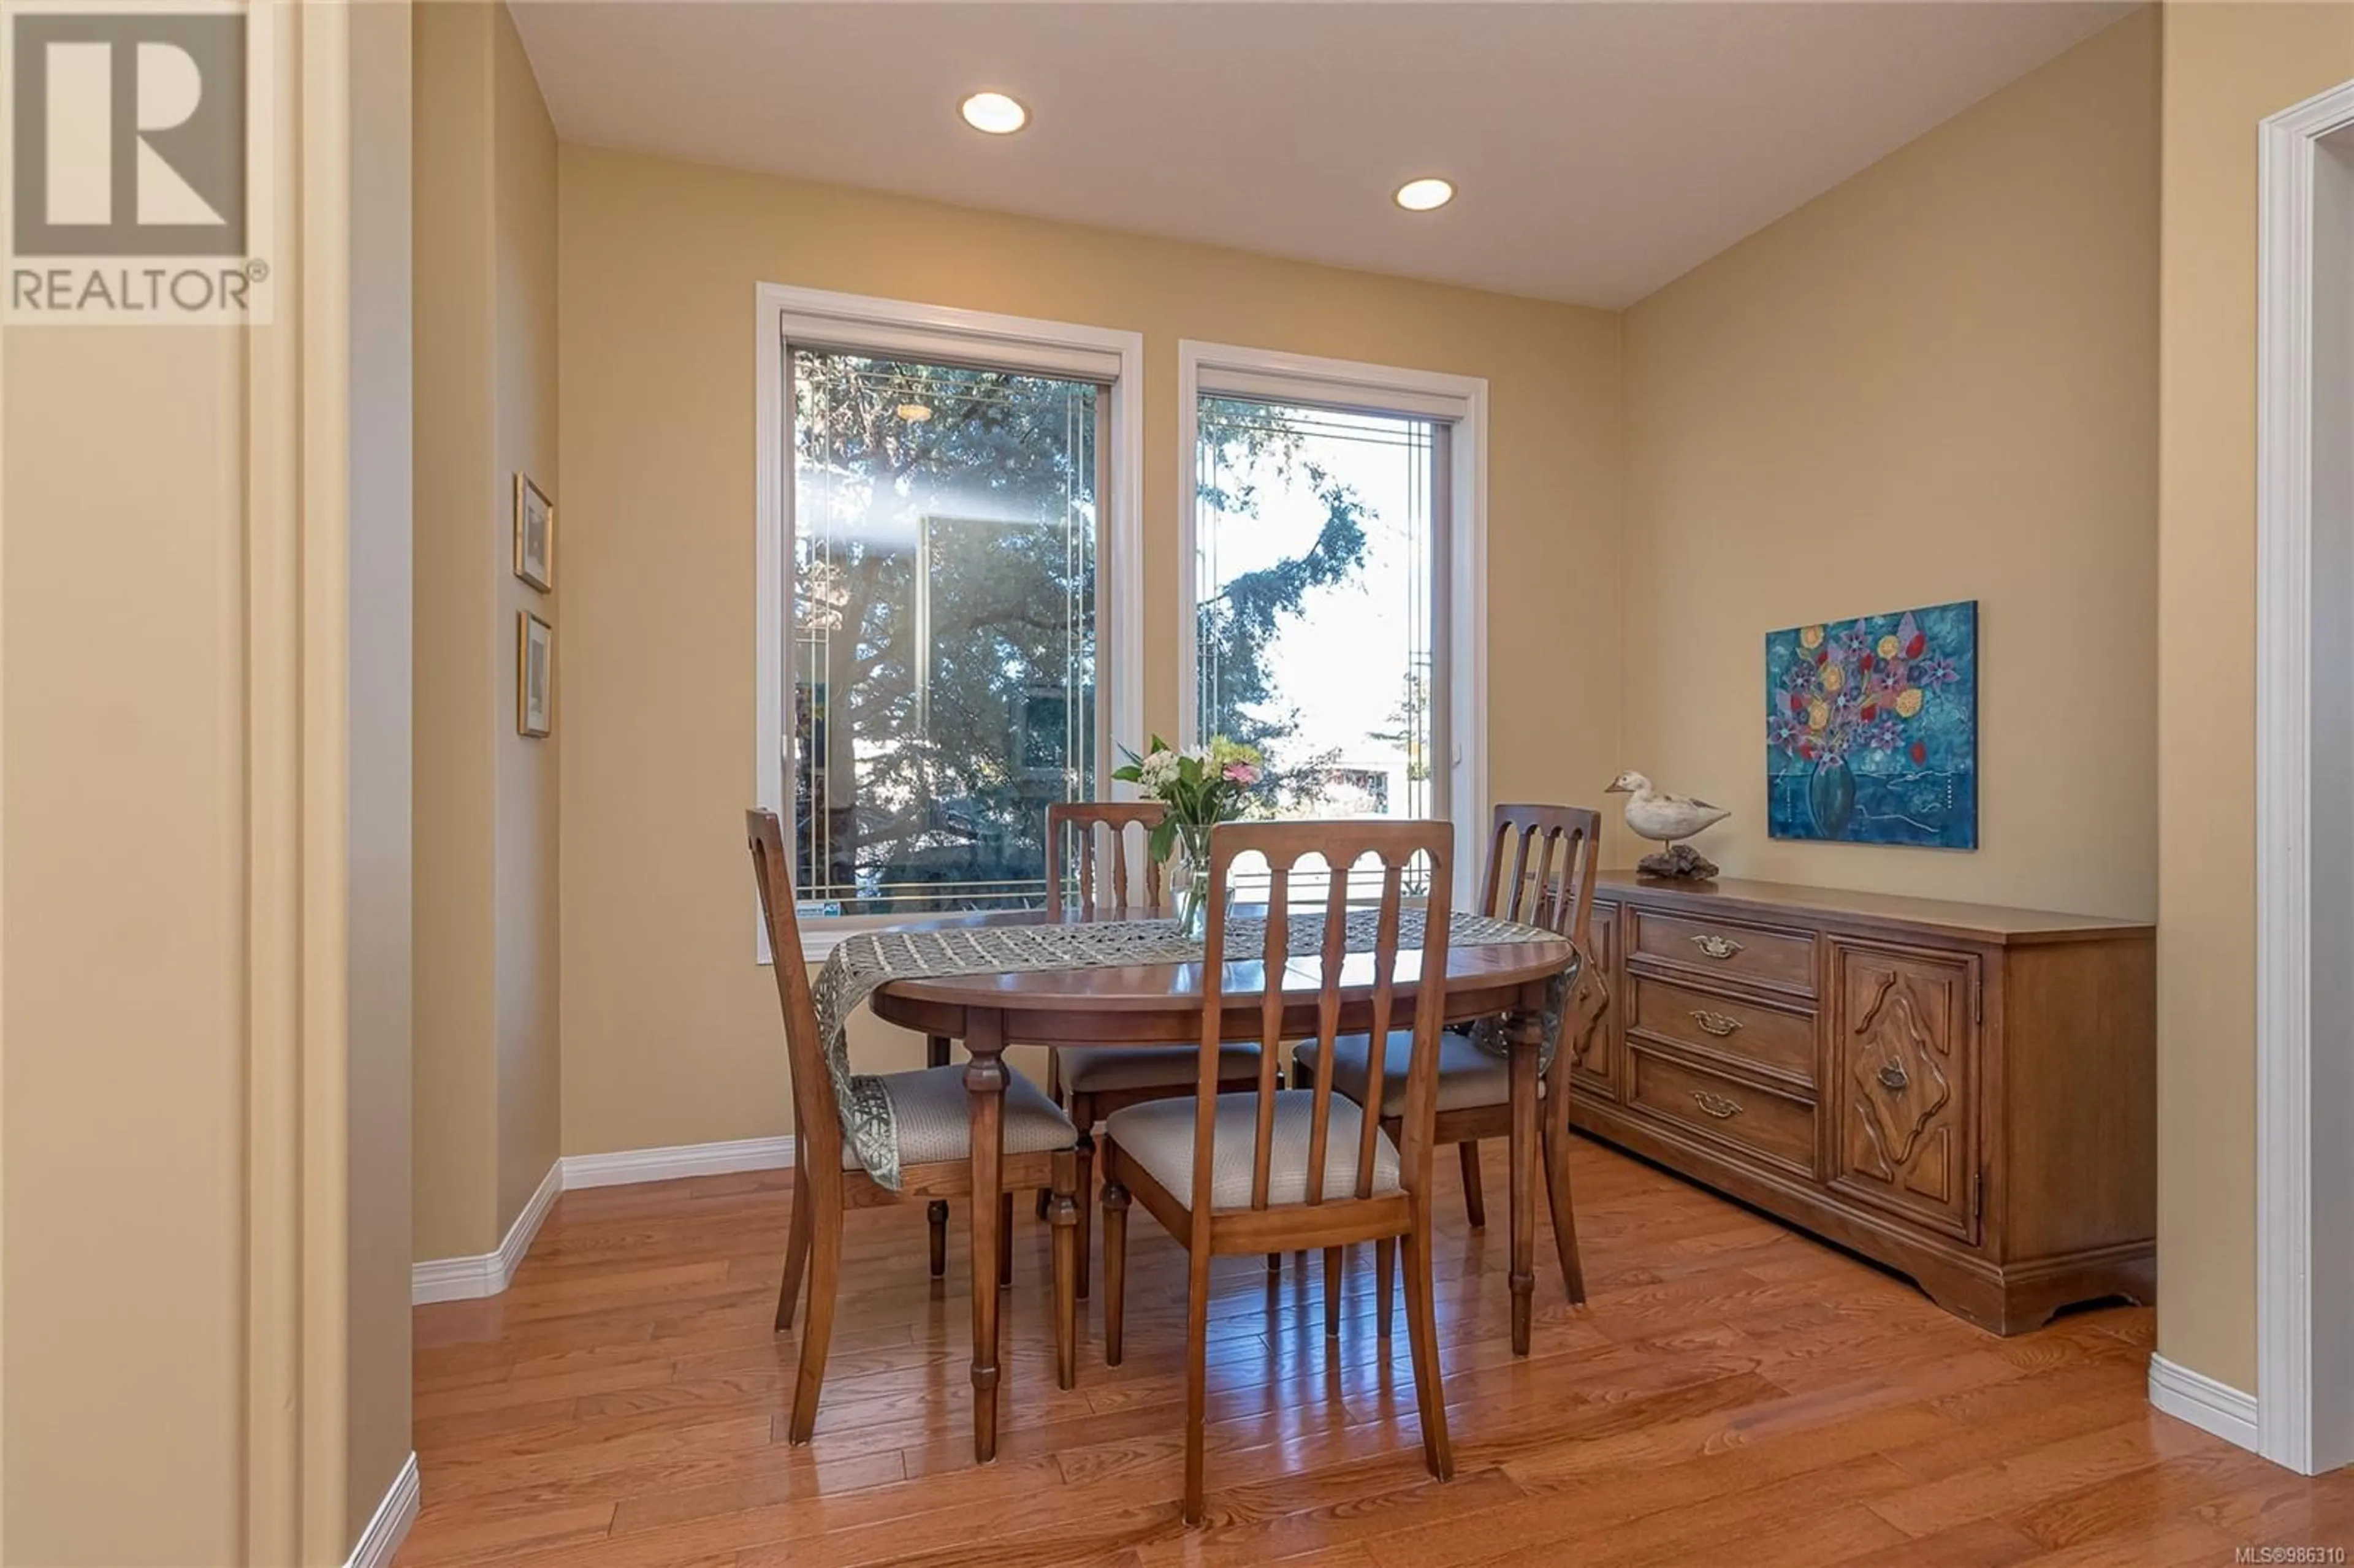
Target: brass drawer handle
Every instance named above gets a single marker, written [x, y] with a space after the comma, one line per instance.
[1892, 1076]
[1716, 1024]
[1717, 1105]
[1716, 946]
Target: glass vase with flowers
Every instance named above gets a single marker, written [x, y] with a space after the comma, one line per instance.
[1202, 786]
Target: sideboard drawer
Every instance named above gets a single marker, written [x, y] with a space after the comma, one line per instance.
[1776, 1039]
[1783, 960]
[1775, 1126]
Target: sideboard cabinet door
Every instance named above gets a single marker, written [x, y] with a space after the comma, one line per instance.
[1905, 1082]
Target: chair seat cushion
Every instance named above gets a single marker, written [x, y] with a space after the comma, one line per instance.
[1149, 1067]
[1158, 1136]
[933, 1111]
[1468, 1076]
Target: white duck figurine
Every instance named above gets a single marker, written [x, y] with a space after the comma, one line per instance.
[1654, 814]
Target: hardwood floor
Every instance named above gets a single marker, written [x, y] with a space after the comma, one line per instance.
[1733, 1391]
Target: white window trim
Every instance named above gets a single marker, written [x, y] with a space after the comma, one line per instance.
[1459, 401]
[820, 316]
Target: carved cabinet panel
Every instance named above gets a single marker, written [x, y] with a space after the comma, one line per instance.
[1903, 1086]
[1587, 1030]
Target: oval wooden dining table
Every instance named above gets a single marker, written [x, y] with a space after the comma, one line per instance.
[1160, 1004]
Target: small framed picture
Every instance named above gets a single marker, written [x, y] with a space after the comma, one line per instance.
[534, 668]
[534, 535]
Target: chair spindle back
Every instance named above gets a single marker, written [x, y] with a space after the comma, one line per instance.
[1078, 819]
[1559, 896]
[817, 1121]
[1342, 845]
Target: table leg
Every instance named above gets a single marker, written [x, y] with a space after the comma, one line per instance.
[984, 1081]
[1556, 1172]
[1523, 1034]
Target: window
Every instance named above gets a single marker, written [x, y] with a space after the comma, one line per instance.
[943, 626]
[1333, 530]
[944, 649]
[1314, 534]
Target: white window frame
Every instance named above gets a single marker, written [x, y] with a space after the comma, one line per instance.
[1460, 402]
[784, 317]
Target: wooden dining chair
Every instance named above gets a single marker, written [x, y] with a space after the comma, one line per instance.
[933, 1119]
[1096, 1084]
[1552, 888]
[1275, 1169]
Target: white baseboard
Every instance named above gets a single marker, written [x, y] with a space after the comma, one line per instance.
[629, 1165]
[487, 1274]
[2209, 1406]
[390, 1526]
[466, 1278]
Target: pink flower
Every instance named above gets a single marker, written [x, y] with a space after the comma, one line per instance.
[1241, 773]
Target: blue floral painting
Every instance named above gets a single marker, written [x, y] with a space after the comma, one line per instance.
[1872, 729]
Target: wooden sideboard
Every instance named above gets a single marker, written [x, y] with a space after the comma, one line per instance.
[1962, 1093]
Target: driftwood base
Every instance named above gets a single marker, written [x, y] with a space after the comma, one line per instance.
[1678, 863]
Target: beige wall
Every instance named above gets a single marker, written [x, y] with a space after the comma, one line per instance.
[523, 424]
[204, 1354]
[485, 915]
[2227, 67]
[124, 1025]
[380, 737]
[671, 1033]
[1936, 382]
[456, 652]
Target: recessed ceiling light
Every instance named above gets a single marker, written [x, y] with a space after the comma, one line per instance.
[993, 113]
[1421, 195]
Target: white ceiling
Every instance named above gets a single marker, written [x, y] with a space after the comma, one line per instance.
[1600, 149]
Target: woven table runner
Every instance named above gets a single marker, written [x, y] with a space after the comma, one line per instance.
[867, 959]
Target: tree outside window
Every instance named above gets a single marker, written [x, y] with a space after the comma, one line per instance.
[945, 627]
